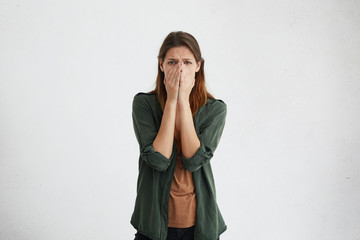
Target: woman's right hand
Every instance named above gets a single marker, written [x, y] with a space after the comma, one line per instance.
[172, 81]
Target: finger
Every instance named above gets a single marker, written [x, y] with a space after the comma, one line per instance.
[185, 73]
[190, 74]
[176, 73]
[177, 77]
[171, 75]
[172, 78]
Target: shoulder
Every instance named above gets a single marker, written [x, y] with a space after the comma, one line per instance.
[144, 95]
[212, 108]
[215, 105]
[144, 98]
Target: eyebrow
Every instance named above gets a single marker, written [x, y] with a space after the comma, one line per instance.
[183, 59]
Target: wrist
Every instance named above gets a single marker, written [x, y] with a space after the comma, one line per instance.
[183, 100]
[171, 102]
[183, 103]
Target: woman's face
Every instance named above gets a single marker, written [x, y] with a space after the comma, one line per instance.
[179, 54]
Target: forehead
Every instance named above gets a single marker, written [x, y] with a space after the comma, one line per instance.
[179, 52]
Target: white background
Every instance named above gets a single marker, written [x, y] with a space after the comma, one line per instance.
[287, 166]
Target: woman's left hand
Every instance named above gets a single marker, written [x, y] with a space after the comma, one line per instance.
[187, 82]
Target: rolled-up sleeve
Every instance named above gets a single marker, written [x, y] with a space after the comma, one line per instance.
[146, 131]
[209, 137]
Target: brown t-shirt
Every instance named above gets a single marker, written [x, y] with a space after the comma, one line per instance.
[182, 202]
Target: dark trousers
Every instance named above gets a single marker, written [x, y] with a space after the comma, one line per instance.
[173, 234]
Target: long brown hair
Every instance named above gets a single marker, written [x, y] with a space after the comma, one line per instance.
[199, 94]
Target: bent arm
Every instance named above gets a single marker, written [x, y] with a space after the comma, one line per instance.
[164, 140]
[209, 136]
[190, 142]
[157, 156]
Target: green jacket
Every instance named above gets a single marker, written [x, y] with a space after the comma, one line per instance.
[150, 216]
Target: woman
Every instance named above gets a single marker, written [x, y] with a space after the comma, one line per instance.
[178, 126]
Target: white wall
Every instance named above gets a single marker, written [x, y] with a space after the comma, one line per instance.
[288, 163]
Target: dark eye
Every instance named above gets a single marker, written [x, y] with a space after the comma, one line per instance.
[188, 62]
[171, 62]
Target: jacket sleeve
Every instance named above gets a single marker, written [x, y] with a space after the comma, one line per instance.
[209, 136]
[146, 131]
